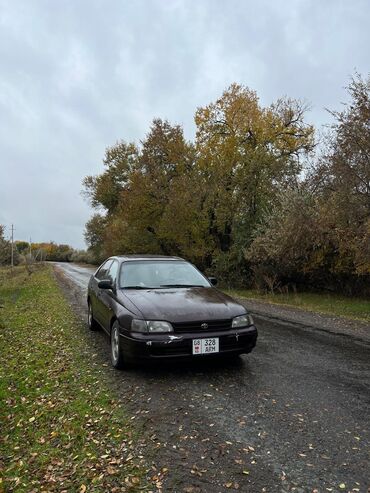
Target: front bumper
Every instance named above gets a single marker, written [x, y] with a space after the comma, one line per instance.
[171, 346]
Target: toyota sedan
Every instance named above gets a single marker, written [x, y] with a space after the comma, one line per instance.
[163, 307]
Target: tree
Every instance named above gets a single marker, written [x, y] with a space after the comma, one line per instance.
[287, 243]
[104, 190]
[22, 247]
[342, 178]
[319, 232]
[94, 236]
[5, 248]
[203, 200]
[247, 155]
[135, 192]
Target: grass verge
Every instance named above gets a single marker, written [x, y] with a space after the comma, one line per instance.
[61, 427]
[329, 304]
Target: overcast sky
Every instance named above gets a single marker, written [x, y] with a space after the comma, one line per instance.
[76, 76]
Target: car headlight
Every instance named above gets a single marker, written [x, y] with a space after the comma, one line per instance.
[159, 326]
[150, 326]
[139, 325]
[242, 321]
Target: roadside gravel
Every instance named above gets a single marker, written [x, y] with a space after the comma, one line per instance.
[308, 320]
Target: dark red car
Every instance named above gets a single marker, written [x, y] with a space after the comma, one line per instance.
[163, 307]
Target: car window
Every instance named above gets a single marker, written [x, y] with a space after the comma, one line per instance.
[112, 272]
[103, 271]
[160, 274]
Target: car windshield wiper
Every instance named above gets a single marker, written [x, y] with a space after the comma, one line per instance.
[181, 286]
[136, 287]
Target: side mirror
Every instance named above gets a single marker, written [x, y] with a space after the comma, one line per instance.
[213, 280]
[105, 284]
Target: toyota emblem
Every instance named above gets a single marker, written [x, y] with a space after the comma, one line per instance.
[204, 326]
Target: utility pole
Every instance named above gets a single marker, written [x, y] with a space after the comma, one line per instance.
[12, 255]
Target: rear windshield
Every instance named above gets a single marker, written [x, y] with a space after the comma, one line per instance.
[160, 274]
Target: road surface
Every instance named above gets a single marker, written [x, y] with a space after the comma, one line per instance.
[291, 416]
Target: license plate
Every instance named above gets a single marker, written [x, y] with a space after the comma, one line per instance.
[205, 346]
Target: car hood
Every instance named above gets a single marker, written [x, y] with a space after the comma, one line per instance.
[183, 304]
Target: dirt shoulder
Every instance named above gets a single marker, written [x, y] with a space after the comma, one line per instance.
[305, 319]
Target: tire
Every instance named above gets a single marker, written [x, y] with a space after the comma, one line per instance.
[91, 322]
[116, 349]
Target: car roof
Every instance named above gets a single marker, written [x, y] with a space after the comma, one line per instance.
[128, 258]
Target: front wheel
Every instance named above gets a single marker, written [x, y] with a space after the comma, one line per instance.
[91, 322]
[116, 350]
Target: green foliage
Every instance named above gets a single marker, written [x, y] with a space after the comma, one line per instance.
[95, 235]
[22, 247]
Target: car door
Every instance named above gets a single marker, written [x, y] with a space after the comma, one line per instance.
[96, 292]
[108, 297]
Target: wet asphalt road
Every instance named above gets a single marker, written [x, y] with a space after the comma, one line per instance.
[291, 416]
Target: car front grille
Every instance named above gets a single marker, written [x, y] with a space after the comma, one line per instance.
[200, 326]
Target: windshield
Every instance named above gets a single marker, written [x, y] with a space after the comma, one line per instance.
[160, 274]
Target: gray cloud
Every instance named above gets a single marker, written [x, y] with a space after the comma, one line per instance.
[77, 76]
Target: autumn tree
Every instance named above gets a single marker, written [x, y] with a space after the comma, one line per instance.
[319, 232]
[141, 192]
[104, 192]
[247, 155]
[203, 200]
[342, 178]
[95, 235]
[52, 251]
[164, 157]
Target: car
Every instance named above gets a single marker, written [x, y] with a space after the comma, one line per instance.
[159, 307]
